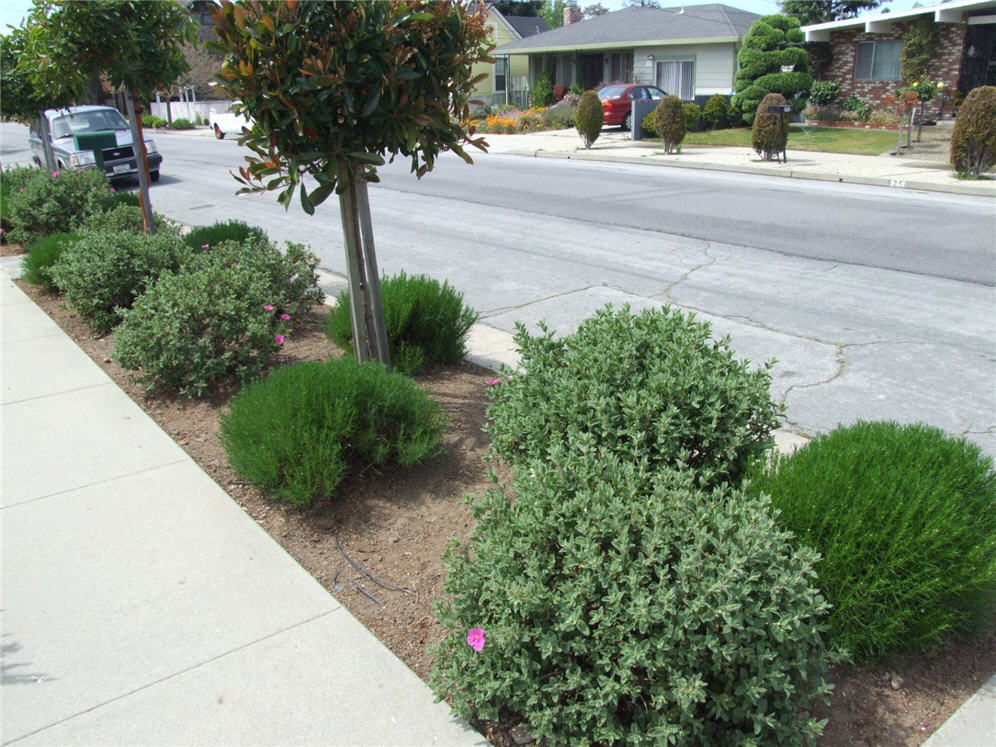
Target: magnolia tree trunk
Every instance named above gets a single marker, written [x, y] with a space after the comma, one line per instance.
[142, 161]
[366, 310]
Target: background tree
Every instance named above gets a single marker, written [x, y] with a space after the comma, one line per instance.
[819, 11]
[772, 43]
[135, 46]
[334, 87]
[920, 43]
[553, 13]
[591, 11]
[531, 8]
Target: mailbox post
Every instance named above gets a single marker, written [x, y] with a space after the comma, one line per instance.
[782, 110]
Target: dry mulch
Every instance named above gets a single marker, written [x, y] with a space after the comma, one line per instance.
[396, 524]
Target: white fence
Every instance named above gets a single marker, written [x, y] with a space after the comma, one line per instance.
[188, 109]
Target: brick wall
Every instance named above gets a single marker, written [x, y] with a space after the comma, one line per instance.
[946, 66]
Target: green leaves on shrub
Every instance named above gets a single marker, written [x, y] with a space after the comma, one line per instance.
[426, 322]
[824, 92]
[221, 231]
[905, 518]
[770, 132]
[299, 431]
[54, 203]
[716, 111]
[651, 388]
[589, 118]
[669, 122]
[36, 265]
[104, 272]
[623, 607]
[124, 217]
[209, 320]
[973, 139]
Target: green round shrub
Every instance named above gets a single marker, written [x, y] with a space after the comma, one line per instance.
[622, 608]
[589, 118]
[669, 122]
[182, 124]
[770, 132]
[716, 112]
[693, 115]
[824, 92]
[54, 203]
[905, 518]
[151, 120]
[973, 139]
[652, 388]
[425, 322]
[36, 265]
[647, 124]
[221, 231]
[299, 431]
[103, 272]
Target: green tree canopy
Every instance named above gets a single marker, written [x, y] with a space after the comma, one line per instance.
[820, 11]
[772, 60]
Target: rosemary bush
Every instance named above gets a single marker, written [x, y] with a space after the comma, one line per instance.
[36, 265]
[652, 388]
[620, 607]
[905, 518]
[299, 431]
[426, 322]
[222, 231]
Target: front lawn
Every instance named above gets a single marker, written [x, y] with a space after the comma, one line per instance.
[827, 139]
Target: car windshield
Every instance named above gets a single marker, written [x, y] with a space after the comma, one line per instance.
[611, 92]
[92, 121]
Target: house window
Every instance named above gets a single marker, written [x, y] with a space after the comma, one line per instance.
[621, 67]
[677, 77]
[878, 60]
[501, 74]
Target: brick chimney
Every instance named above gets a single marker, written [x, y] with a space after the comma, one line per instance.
[572, 13]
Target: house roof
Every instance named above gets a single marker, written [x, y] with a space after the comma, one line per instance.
[638, 26]
[527, 25]
[949, 12]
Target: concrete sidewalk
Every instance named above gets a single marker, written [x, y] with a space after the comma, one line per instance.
[141, 605]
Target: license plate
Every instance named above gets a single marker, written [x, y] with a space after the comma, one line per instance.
[122, 169]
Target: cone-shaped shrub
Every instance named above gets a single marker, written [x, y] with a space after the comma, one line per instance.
[299, 431]
[905, 519]
[616, 608]
[650, 387]
[589, 118]
[973, 139]
[770, 131]
[669, 122]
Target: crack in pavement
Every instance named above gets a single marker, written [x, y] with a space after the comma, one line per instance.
[841, 368]
[710, 261]
[505, 309]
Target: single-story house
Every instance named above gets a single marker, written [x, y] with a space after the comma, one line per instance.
[866, 50]
[690, 51]
[499, 87]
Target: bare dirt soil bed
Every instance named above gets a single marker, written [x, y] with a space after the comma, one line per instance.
[396, 524]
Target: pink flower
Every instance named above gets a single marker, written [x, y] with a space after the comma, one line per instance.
[268, 307]
[285, 317]
[476, 639]
[55, 174]
[494, 382]
[21, 189]
[113, 190]
[279, 339]
[205, 246]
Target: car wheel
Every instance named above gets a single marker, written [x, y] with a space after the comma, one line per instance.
[153, 176]
[218, 133]
[626, 121]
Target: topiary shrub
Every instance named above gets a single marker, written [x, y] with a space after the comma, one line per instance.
[36, 265]
[772, 43]
[303, 428]
[905, 518]
[716, 112]
[217, 233]
[607, 606]
[425, 322]
[770, 132]
[589, 118]
[973, 139]
[824, 92]
[693, 115]
[669, 122]
[55, 203]
[104, 272]
[651, 388]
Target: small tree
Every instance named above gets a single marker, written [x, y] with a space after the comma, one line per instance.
[669, 122]
[331, 89]
[771, 44]
[589, 118]
[769, 134]
[716, 111]
[818, 11]
[973, 140]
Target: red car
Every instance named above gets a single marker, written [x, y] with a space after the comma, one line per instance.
[617, 101]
